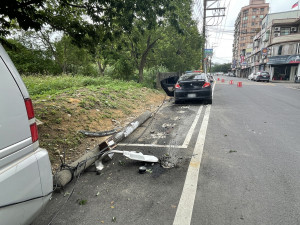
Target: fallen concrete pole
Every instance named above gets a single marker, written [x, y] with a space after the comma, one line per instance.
[63, 177]
[116, 138]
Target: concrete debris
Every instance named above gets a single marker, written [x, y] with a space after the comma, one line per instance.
[170, 159]
[116, 122]
[181, 112]
[167, 125]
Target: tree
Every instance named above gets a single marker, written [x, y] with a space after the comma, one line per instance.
[180, 49]
[139, 43]
[59, 49]
[79, 18]
[131, 34]
[31, 61]
[145, 37]
[225, 67]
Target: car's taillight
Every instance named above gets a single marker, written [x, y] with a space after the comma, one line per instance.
[177, 86]
[30, 114]
[29, 108]
[206, 84]
[34, 132]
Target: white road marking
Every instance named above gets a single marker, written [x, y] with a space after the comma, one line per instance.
[191, 131]
[185, 207]
[186, 140]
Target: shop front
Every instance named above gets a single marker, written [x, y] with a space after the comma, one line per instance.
[285, 67]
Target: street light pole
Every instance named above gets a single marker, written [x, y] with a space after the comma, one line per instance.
[203, 34]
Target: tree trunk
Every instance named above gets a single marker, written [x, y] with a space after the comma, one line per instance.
[141, 67]
[45, 38]
[144, 58]
[64, 68]
[100, 67]
[64, 59]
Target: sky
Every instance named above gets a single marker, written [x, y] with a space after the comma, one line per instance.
[220, 36]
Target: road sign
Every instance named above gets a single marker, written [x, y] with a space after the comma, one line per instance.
[208, 52]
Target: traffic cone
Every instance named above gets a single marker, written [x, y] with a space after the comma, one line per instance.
[239, 84]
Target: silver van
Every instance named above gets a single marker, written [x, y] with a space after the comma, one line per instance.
[25, 169]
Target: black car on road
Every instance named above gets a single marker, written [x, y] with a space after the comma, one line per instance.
[190, 86]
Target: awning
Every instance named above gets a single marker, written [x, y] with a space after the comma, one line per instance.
[284, 59]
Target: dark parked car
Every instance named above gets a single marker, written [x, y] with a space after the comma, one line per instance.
[190, 86]
[262, 76]
[193, 86]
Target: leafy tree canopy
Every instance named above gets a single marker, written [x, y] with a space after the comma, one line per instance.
[80, 17]
[225, 67]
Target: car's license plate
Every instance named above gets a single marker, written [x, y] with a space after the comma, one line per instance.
[264, 76]
[191, 95]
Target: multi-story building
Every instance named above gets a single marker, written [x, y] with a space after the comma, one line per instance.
[276, 48]
[247, 25]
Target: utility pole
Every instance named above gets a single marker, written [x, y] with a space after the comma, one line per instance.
[203, 35]
[217, 12]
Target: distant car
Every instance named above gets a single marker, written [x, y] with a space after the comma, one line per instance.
[194, 86]
[262, 76]
[25, 171]
[251, 76]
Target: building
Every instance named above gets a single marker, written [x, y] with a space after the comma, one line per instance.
[276, 48]
[247, 25]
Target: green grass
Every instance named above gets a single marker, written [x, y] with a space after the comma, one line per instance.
[45, 86]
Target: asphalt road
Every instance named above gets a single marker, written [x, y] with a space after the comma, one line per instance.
[235, 162]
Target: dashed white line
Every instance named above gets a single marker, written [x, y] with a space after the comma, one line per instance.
[186, 204]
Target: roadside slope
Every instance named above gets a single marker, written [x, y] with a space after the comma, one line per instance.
[65, 105]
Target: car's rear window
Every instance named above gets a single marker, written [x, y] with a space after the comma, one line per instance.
[194, 76]
[264, 73]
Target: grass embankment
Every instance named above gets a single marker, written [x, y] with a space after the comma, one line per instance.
[67, 104]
